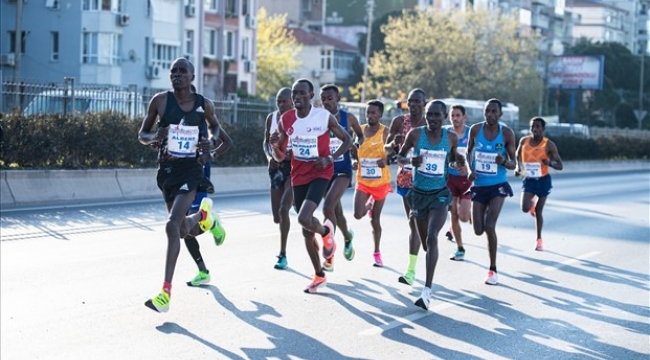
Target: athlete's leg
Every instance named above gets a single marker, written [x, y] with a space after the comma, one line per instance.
[177, 227]
[360, 200]
[375, 221]
[283, 211]
[434, 221]
[491, 217]
[539, 219]
[332, 199]
[527, 201]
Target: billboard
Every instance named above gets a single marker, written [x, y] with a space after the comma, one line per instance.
[576, 72]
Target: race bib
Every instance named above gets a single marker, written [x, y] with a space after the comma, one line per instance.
[304, 148]
[433, 163]
[369, 168]
[335, 144]
[182, 140]
[486, 163]
[533, 170]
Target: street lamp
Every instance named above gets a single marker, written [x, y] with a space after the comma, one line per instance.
[370, 5]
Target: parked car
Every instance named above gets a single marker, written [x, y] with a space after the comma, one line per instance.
[86, 101]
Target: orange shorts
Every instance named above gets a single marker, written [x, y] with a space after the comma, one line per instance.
[377, 192]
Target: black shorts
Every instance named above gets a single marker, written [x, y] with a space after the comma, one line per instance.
[347, 175]
[280, 175]
[179, 176]
[422, 202]
[313, 191]
[484, 194]
[538, 186]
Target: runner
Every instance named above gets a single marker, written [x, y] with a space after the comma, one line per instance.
[458, 184]
[535, 154]
[183, 152]
[279, 173]
[399, 127]
[307, 129]
[491, 147]
[434, 149]
[373, 174]
[342, 179]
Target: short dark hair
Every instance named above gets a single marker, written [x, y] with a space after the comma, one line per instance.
[439, 102]
[459, 107]
[330, 87]
[309, 83]
[495, 101]
[541, 121]
[418, 90]
[377, 103]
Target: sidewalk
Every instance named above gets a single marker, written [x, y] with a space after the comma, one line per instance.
[25, 189]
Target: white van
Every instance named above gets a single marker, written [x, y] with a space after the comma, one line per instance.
[87, 101]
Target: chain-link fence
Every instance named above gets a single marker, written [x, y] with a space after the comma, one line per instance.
[31, 97]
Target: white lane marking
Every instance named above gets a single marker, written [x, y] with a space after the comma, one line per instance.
[571, 261]
[410, 319]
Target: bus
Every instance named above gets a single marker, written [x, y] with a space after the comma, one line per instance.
[474, 111]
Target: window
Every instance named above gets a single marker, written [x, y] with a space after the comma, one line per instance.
[244, 48]
[189, 44]
[231, 8]
[53, 4]
[163, 55]
[101, 48]
[12, 42]
[210, 43]
[326, 59]
[103, 5]
[54, 35]
[245, 7]
[229, 51]
[212, 5]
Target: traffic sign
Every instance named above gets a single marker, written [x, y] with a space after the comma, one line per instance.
[640, 114]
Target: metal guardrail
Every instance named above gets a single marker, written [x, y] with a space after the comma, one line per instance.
[32, 97]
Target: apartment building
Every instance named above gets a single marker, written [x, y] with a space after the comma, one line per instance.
[121, 43]
[625, 22]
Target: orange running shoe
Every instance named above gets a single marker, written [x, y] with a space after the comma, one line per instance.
[319, 281]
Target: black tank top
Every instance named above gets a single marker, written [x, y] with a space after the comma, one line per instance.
[174, 115]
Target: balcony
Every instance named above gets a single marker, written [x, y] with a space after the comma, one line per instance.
[540, 21]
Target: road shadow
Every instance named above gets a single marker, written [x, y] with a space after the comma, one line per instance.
[173, 328]
[61, 223]
[289, 343]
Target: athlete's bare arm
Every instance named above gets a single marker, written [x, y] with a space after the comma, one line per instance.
[395, 137]
[146, 136]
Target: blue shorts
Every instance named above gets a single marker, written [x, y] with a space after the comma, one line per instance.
[538, 186]
[484, 194]
[197, 202]
[402, 191]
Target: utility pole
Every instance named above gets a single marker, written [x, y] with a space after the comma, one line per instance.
[18, 51]
[222, 49]
[641, 114]
[200, 40]
[370, 6]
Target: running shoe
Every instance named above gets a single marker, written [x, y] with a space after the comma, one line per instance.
[407, 278]
[206, 214]
[328, 265]
[425, 298]
[491, 278]
[540, 245]
[319, 281]
[217, 230]
[160, 303]
[282, 262]
[449, 236]
[378, 262]
[348, 250]
[202, 278]
[458, 256]
[329, 245]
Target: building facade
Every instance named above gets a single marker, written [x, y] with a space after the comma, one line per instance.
[121, 43]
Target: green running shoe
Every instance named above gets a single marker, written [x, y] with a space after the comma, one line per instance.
[348, 250]
[202, 278]
[160, 303]
[217, 231]
[282, 262]
[206, 212]
[407, 278]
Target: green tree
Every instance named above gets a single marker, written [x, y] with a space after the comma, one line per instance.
[277, 54]
[473, 55]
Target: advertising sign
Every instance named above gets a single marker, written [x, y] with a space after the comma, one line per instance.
[576, 72]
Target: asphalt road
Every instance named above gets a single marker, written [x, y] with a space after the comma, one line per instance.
[73, 283]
